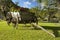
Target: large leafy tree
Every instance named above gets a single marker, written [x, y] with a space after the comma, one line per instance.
[52, 11]
[49, 4]
[5, 6]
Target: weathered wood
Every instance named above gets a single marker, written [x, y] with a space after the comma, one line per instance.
[37, 26]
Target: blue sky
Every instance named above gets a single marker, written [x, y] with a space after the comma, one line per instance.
[26, 3]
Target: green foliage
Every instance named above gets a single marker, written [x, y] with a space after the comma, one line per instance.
[35, 10]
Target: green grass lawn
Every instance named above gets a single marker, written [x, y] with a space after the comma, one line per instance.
[26, 33]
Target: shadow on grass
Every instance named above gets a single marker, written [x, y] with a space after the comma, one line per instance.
[54, 29]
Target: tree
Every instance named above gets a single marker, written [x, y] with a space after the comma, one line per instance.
[50, 6]
[35, 10]
[52, 11]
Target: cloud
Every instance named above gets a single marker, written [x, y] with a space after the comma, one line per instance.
[26, 4]
[34, 0]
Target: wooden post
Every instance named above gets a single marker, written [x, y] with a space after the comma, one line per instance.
[37, 26]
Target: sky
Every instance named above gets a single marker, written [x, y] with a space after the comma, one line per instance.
[26, 3]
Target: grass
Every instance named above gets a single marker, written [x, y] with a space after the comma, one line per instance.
[50, 24]
[25, 33]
